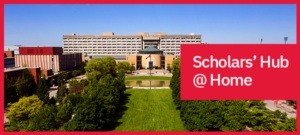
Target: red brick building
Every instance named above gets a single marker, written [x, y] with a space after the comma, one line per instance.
[47, 58]
[16, 73]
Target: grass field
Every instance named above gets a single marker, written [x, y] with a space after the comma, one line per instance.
[148, 78]
[148, 110]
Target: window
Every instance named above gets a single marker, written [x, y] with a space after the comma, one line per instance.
[127, 58]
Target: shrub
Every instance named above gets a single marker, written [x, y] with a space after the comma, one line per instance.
[169, 69]
[85, 82]
[72, 81]
[25, 109]
[75, 73]
[76, 88]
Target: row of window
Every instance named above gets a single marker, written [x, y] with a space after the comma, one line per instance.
[180, 38]
[109, 52]
[103, 44]
[98, 41]
[180, 41]
[169, 47]
[172, 50]
[102, 38]
[102, 50]
[104, 47]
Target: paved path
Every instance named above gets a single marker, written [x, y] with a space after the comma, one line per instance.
[281, 107]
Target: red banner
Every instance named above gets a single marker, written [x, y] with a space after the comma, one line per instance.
[239, 72]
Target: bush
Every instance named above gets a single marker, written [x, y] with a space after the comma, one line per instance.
[25, 109]
[75, 73]
[72, 81]
[85, 82]
[76, 88]
[169, 69]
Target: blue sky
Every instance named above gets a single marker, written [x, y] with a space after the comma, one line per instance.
[44, 25]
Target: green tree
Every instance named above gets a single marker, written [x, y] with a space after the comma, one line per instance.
[175, 65]
[44, 120]
[10, 93]
[30, 82]
[63, 91]
[125, 66]
[288, 125]
[82, 70]
[169, 69]
[98, 67]
[132, 68]
[24, 109]
[175, 86]
[62, 75]
[90, 115]
[42, 90]
[202, 115]
[85, 82]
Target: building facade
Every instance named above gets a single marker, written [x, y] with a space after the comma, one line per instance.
[119, 46]
[9, 59]
[47, 58]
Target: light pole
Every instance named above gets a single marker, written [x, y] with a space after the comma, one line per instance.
[285, 39]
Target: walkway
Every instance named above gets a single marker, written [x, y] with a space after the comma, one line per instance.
[283, 107]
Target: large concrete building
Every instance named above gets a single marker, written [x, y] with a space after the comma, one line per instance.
[119, 46]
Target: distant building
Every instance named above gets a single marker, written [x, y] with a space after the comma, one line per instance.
[14, 48]
[9, 59]
[48, 58]
[119, 46]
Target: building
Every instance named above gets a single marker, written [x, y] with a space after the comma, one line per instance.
[9, 59]
[119, 46]
[140, 61]
[47, 58]
[16, 73]
[14, 48]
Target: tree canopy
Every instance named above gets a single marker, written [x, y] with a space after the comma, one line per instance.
[98, 67]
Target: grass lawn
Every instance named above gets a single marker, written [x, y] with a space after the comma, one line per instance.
[148, 110]
[148, 78]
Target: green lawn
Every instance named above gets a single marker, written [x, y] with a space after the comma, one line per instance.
[148, 78]
[148, 110]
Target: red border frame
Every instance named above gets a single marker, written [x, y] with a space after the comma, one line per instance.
[140, 2]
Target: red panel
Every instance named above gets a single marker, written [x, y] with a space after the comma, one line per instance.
[40, 50]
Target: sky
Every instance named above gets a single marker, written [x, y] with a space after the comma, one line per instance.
[44, 25]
